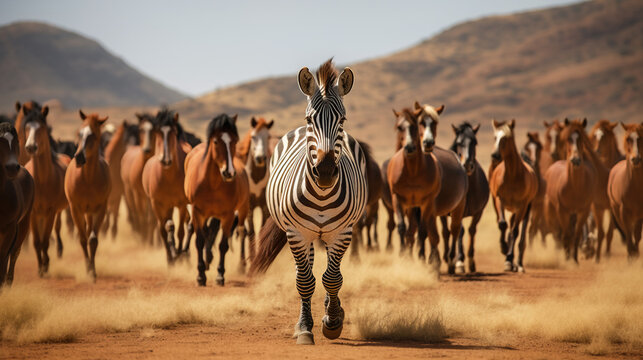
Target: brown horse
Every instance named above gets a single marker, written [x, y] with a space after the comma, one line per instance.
[87, 186]
[21, 110]
[163, 179]
[464, 145]
[571, 185]
[132, 164]
[48, 173]
[513, 185]
[216, 185]
[368, 220]
[16, 200]
[553, 148]
[532, 153]
[254, 150]
[414, 179]
[604, 144]
[625, 189]
[123, 136]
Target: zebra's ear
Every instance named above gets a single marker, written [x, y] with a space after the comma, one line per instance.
[476, 128]
[346, 80]
[307, 82]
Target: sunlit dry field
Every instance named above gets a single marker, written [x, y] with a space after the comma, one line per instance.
[395, 306]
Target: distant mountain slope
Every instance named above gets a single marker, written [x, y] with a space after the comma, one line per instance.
[580, 60]
[41, 62]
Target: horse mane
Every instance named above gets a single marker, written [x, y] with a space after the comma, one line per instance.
[165, 117]
[366, 149]
[326, 76]
[5, 127]
[243, 146]
[221, 122]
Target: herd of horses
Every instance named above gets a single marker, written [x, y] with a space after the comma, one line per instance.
[562, 186]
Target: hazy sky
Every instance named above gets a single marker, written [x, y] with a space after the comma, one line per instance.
[197, 46]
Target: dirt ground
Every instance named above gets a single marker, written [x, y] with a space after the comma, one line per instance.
[124, 265]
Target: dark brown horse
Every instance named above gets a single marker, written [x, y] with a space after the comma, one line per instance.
[16, 200]
[414, 179]
[464, 145]
[216, 185]
[369, 218]
[87, 186]
[625, 189]
[532, 153]
[163, 179]
[513, 185]
[48, 173]
[132, 164]
[604, 144]
[571, 188]
[254, 150]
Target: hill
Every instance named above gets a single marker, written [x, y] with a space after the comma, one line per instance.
[42, 62]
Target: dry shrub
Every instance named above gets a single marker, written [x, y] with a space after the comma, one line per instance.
[378, 321]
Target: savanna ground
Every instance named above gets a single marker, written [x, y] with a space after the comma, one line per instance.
[395, 307]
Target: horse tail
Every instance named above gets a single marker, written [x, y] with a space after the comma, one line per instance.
[271, 240]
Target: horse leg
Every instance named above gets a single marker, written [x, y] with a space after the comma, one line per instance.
[415, 222]
[598, 215]
[472, 236]
[580, 225]
[79, 221]
[200, 242]
[608, 237]
[401, 226]
[445, 237]
[211, 235]
[114, 215]
[226, 232]
[190, 230]
[333, 321]
[637, 237]
[4, 260]
[522, 243]
[513, 234]
[372, 224]
[304, 253]
[35, 235]
[166, 230]
[434, 239]
[390, 225]
[183, 216]
[23, 230]
[502, 224]
[59, 241]
[44, 244]
[69, 220]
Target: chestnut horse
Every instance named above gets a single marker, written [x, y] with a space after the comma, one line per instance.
[464, 145]
[625, 189]
[254, 150]
[451, 200]
[48, 173]
[16, 200]
[533, 152]
[132, 164]
[514, 185]
[553, 148]
[414, 179]
[87, 186]
[604, 144]
[216, 185]
[571, 188]
[163, 179]
[123, 136]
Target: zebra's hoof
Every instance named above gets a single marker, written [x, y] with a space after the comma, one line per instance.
[305, 338]
[459, 267]
[332, 334]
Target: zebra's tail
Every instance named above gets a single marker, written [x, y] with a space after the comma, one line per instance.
[271, 240]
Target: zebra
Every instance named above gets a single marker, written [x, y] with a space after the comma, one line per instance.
[316, 191]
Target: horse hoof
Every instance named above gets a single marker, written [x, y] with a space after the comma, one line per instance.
[332, 334]
[305, 338]
[472, 267]
[459, 267]
[200, 280]
[504, 248]
[451, 269]
[521, 269]
[509, 266]
[220, 280]
[60, 252]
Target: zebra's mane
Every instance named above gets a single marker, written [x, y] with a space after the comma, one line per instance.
[326, 78]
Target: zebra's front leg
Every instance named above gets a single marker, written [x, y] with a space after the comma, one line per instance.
[303, 252]
[333, 321]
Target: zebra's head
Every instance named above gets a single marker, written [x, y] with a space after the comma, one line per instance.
[325, 116]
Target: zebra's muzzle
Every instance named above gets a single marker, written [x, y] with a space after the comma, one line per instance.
[325, 171]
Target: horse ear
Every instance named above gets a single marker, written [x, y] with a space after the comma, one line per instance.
[176, 118]
[234, 118]
[306, 81]
[547, 124]
[396, 113]
[476, 128]
[125, 124]
[584, 122]
[45, 111]
[82, 114]
[455, 129]
[253, 122]
[418, 112]
[512, 124]
[566, 121]
[440, 109]
[346, 80]
[102, 121]
[269, 125]
[612, 125]
[494, 123]
[139, 116]
[18, 106]
[623, 126]
[417, 105]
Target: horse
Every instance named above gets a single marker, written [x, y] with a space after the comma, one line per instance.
[216, 185]
[625, 189]
[48, 172]
[16, 201]
[464, 145]
[123, 136]
[163, 179]
[571, 188]
[368, 220]
[21, 110]
[604, 144]
[451, 200]
[532, 153]
[132, 164]
[514, 185]
[553, 148]
[87, 187]
[254, 151]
